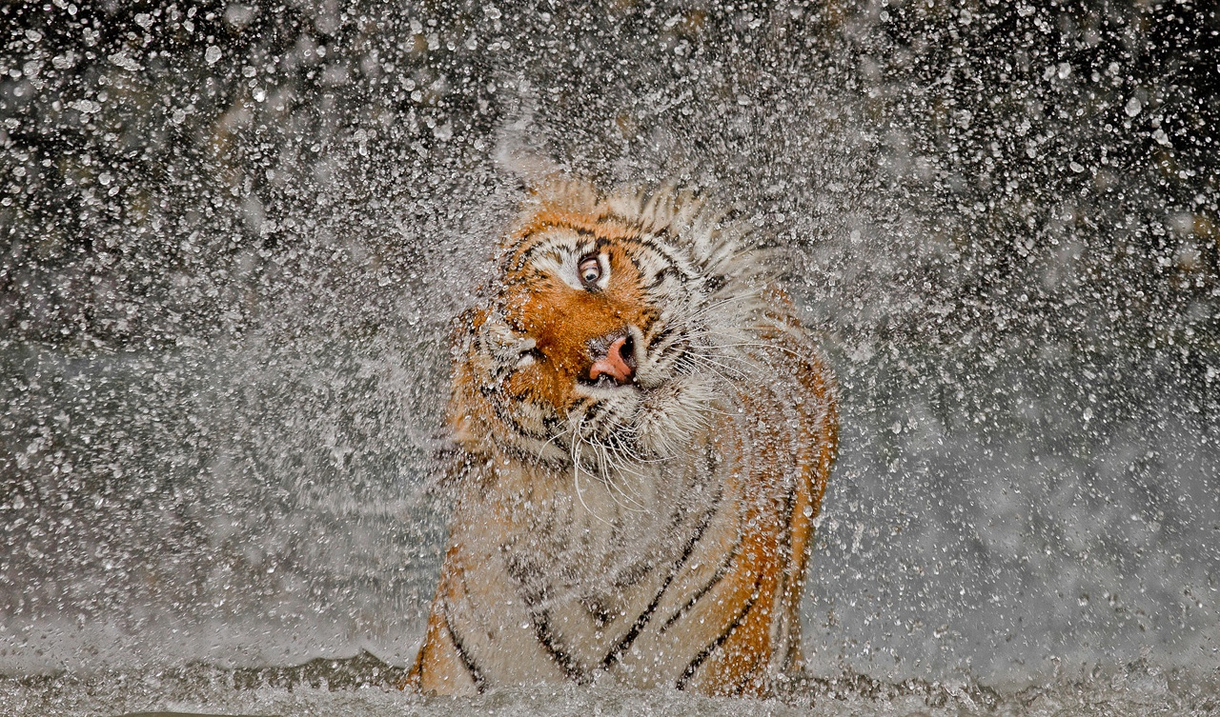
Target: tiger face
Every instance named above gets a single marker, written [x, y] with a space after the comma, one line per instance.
[639, 339]
[599, 345]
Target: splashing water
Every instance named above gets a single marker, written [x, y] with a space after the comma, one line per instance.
[237, 236]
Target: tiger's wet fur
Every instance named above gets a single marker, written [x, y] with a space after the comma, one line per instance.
[648, 528]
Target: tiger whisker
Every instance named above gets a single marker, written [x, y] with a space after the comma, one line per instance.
[687, 345]
[613, 485]
[624, 450]
[547, 443]
[576, 472]
[743, 344]
[712, 306]
[627, 456]
[637, 498]
[711, 364]
[699, 361]
[785, 349]
[689, 317]
[607, 466]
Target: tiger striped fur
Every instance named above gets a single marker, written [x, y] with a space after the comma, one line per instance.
[644, 433]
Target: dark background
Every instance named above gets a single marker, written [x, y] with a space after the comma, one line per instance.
[234, 236]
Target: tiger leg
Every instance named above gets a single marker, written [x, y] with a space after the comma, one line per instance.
[814, 454]
[736, 662]
[443, 667]
[800, 537]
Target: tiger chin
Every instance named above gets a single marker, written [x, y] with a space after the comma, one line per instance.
[644, 432]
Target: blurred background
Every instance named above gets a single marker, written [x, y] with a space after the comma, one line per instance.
[234, 236]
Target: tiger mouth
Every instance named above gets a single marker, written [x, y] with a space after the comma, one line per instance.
[608, 383]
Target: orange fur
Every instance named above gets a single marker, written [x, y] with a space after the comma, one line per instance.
[650, 534]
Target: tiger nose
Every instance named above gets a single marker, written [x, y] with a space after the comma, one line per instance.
[618, 363]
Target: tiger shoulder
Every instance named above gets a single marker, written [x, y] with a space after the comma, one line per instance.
[644, 432]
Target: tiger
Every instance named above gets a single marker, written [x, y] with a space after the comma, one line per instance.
[642, 433]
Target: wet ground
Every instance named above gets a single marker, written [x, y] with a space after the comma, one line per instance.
[363, 685]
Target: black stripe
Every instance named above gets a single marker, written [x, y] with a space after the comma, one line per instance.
[625, 643]
[645, 240]
[502, 413]
[749, 676]
[476, 674]
[632, 575]
[721, 571]
[706, 652]
[525, 572]
[598, 612]
[662, 248]
[542, 630]
[659, 277]
[581, 231]
[634, 258]
[593, 414]
[674, 351]
[531, 587]
[529, 456]
[527, 255]
[785, 538]
[551, 424]
[789, 513]
[657, 343]
[664, 333]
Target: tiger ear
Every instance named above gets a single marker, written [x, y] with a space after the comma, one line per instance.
[532, 169]
[513, 154]
[545, 180]
[553, 198]
[563, 193]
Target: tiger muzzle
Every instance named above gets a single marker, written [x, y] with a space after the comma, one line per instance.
[615, 360]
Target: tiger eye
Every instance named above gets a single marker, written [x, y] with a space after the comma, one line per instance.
[614, 381]
[590, 270]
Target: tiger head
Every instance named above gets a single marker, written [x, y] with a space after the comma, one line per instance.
[606, 330]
